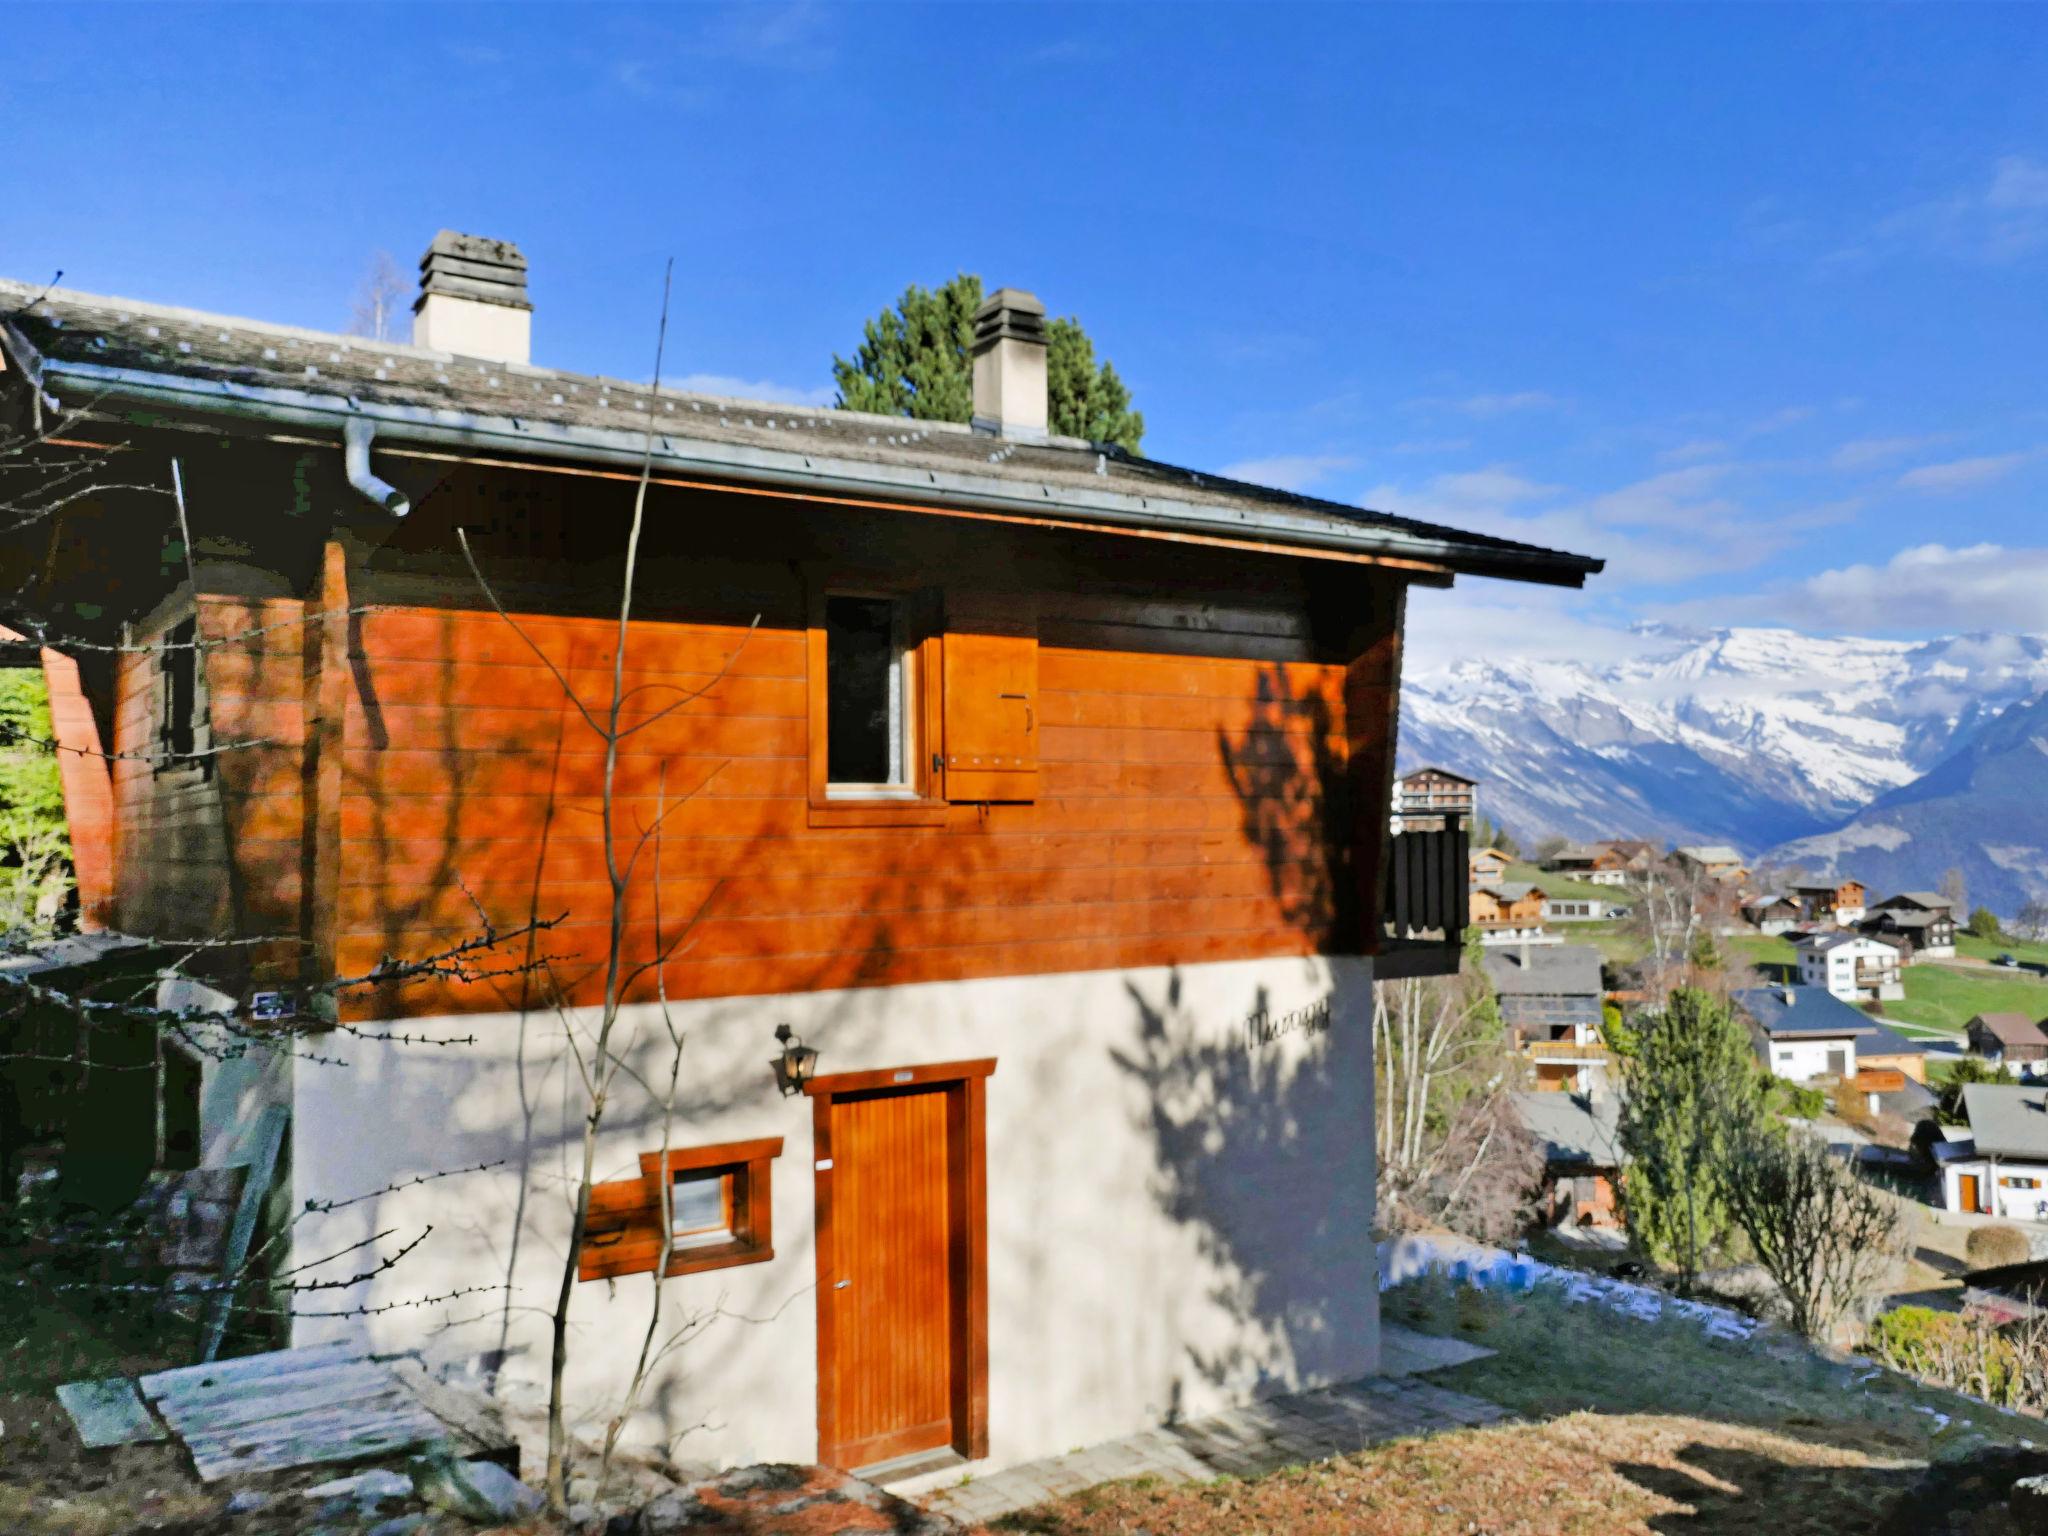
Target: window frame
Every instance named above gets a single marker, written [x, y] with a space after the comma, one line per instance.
[922, 802]
[623, 1234]
[178, 645]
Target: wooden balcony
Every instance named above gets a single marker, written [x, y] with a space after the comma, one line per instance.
[1423, 903]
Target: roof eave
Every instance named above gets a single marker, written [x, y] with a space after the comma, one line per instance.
[673, 451]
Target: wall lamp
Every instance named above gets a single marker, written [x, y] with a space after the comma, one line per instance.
[793, 1068]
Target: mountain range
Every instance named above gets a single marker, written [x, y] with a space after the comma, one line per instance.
[1889, 760]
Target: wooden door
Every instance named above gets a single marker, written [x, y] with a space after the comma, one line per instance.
[902, 1345]
[1967, 1188]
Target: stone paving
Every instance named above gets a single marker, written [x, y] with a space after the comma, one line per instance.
[1244, 1442]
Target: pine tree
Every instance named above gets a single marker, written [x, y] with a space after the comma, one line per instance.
[1691, 1084]
[916, 359]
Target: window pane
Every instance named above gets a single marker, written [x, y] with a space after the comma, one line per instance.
[863, 691]
[700, 1206]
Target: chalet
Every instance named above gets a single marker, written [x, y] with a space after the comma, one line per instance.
[1508, 913]
[1924, 921]
[1772, 913]
[1804, 1033]
[1487, 866]
[2007, 1039]
[1596, 865]
[1713, 861]
[1007, 819]
[1550, 996]
[1841, 902]
[1580, 1134]
[1636, 857]
[1854, 968]
[2007, 1174]
[1584, 909]
[1429, 799]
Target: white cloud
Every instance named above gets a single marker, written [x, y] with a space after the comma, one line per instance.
[1930, 587]
[1505, 405]
[1433, 445]
[1962, 474]
[2000, 218]
[1778, 421]
[765, 390]
[1692, 452]
[1490, 618]
[2018, 183]
[1867, 451]
[1289, 472]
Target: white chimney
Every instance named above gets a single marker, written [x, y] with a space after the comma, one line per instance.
[473, 299]
[1009, 365]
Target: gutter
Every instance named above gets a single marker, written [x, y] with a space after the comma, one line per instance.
[802, 471]
[356, 436]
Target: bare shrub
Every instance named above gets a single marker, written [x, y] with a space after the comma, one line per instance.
[1990, 1247]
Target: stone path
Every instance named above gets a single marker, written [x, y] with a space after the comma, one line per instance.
[1245, 1442]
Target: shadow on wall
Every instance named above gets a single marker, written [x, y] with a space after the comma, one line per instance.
[1264, 1156]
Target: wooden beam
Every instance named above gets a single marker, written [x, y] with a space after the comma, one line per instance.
[88, 786]
[326, 706]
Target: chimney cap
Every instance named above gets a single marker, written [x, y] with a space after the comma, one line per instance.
[1009, 314]
[473, 267]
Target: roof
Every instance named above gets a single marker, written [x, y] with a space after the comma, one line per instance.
[2011, 1028]
[1825, 939]
[1712, 853]
[1927, 901]
[1577, 853]
[1508, 890]
[1827, 887]
[1786, 1012]
[1442, 773]
[1492, 853]
[1759, 903]
[85, 347]
[1574, 1128]
[1908, 917]
[2008, 1120]
[1545, 969]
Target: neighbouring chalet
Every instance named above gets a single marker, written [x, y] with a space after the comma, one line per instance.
[1853, 967]
[1713, 861]
[1580, 1134]
[1041, 789]
[1772, 913]
[1550, 996]
[1584, 909]
[1637, 857]
[1597, 865]
[1923, 921]
[1487, 866]
[1841, 902]
[1804, 1034]
[2006, 1173]
[1510, 912]
[2007, 1039]
[1429, 799]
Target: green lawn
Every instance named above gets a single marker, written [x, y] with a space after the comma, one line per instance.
[1616, 944]
[1943, 997]
[1770, 953]
[1991, 949]
[1560, 885]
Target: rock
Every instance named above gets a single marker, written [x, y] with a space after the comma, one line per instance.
[366, 1490]
[246, 1500]
[476, 1490]
[672, 1512]
[2028, 1501]
[583, 1516]
[403, 1525]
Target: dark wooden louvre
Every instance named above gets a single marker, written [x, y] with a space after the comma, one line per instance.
[991, 709]
[180, 658]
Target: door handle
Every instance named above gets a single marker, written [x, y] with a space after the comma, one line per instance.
[841, 1285]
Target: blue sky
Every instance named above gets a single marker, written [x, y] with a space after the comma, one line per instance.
[1752, 301]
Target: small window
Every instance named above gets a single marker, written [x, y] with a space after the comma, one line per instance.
[719, 1212]
[2011, 1182]
[701, 1205]
[867, 697]
[180, 725]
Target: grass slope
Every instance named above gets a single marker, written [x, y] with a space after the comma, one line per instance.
[1562, 885]
[1947, 997]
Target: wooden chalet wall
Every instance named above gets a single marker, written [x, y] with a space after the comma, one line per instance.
[1195, 755]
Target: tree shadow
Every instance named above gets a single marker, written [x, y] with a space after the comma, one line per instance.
[1729, 1488]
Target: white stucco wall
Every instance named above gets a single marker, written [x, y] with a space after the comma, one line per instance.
[1178, 1218]
[2006, 1202]
[1802, 1060]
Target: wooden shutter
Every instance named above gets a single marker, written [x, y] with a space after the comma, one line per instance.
[991, 711]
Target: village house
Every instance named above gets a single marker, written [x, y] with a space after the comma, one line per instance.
[1922, 920]
[1487, 866]
[1584, 909]
[1714, 861]
[2007, 1039]
[1854, 968]
[1772, 913]
[1841, 902]
[1596, 865]
[1635, 856]
[1511, 912]
[1430, 799]
[1551, 997]
[2004, 1172]
[1013, 861]
[1580, 1134]
[1804, 1035]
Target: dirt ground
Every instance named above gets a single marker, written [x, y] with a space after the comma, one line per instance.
[1587, 1474]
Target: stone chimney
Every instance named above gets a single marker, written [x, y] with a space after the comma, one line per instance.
[1009, 365]
[473, 299]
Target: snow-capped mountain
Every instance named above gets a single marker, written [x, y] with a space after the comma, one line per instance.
[1752, 737]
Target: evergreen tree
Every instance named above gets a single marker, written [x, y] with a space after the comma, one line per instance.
[916, 360]
[1692, 1083]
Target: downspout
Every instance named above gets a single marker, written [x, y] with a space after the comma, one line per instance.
[356, 436]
